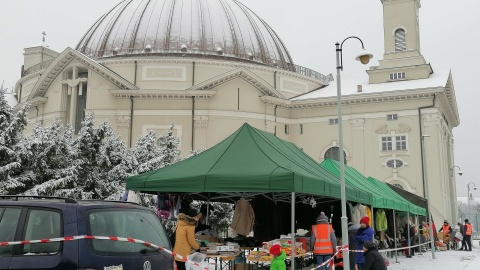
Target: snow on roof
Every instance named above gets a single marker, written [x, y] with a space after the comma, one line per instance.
[11, 100]
[349, 87]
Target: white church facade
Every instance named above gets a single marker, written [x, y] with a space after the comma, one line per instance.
[143, 66]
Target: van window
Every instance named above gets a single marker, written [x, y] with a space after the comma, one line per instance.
[42, 224]
[142, 225]
[9, 218]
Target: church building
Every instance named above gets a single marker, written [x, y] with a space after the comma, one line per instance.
[210, 66]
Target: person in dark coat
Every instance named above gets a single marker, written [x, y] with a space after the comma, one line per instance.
[406, 230]
[373, 258]
[352, 230]
[364, 233]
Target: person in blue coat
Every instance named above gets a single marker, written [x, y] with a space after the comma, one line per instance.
[364, 233]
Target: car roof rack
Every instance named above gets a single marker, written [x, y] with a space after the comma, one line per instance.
[15, 197]
[112, 201]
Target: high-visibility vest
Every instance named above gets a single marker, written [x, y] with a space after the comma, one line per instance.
[445, 229]
[469, 229]
[322, 245]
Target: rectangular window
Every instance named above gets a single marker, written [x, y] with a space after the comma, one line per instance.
[333, 121]
[401, 142]
[387, 144]
[397, 76]
[397, 143]
[286, 129]
[391, 117]
[301, 128]
[8, 227]
[43, 224]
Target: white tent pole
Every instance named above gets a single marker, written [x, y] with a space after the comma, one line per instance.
[293, 232]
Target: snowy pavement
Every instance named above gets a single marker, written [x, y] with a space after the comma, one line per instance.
[444, 260]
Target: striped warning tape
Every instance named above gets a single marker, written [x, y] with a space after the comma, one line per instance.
[111, 238]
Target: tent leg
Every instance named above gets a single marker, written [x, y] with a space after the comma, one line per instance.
[373, 223]
[409, 240]
[395, 236]
[208, 209]
[293, 232]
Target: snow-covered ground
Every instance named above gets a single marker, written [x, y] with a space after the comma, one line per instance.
[444, 260]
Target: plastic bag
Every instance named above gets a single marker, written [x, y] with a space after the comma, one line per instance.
[196, 261]
[459, 236]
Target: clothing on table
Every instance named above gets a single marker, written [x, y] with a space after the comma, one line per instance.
[369, 215]
[278, 263]
[362, 235]
[381, 223]
[358, 211]
[374, 260]
[185, 236]
[243, 217]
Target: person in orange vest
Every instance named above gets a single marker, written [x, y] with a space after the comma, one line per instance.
[467, 235]
[323, 241]
[447, 229]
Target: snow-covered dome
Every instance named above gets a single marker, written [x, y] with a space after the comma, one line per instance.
[224, 29]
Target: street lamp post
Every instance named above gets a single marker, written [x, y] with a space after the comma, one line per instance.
[429, 204]
[364, 57]
[452, 170]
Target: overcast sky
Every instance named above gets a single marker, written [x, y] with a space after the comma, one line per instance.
[309, 29]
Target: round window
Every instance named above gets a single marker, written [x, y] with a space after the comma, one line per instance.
[394, 163]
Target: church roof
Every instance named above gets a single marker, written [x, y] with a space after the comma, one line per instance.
[224, 29]
[350, 87]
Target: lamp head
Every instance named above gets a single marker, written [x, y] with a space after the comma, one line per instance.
[474, 188]
[460, 173]
[364, 57]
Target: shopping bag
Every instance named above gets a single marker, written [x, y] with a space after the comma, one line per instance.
[459, 236]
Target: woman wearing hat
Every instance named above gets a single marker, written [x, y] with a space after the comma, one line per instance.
[373, 258]
[364, 233]
[185, 236]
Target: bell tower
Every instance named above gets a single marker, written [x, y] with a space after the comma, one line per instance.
[402, 59]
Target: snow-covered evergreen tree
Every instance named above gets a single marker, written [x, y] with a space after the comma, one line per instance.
[12, 155]
[148, 155]
[171, 149]
[49, 158]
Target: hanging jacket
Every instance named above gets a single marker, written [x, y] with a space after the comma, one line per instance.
[362, 235]
[185, 236]
[381, 221]
[468, 229]
[278, 263]
[369, 215]
[358, 211]
[243, 217]
[323, 238]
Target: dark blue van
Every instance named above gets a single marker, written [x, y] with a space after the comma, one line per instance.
[35, 218]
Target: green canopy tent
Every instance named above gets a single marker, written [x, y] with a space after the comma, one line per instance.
[412, 208]
[248, 161]
[355, 179]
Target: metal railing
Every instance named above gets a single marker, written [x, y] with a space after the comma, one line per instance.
[40, 66]
[245, 58]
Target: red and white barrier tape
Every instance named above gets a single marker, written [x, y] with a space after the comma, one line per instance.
[111, 238]
[339, 248]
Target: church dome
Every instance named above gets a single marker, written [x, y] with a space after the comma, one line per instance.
[222, 29]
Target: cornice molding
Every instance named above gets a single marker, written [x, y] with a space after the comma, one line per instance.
[163, 94]
[215, 63]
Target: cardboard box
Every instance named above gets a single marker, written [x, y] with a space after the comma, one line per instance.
[443, 248]
[242, 266]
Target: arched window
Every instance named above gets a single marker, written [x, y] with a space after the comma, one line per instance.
[334, 153]
[400, 44]
[398, 186]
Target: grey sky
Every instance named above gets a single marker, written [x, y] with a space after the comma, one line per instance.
[309, 29]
